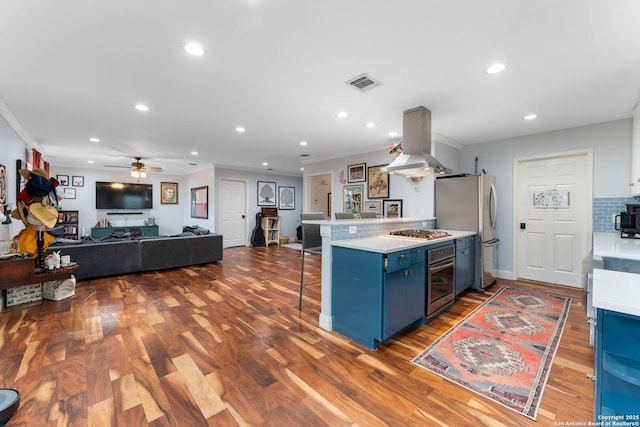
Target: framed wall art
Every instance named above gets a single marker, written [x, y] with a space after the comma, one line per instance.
[200, 202]
[378, 185]
[353, 197]
[169, 193]
[357, 172]
[63, 180]
[392, 208]
[266, 193]
[69, 193]
[373, 206]
[551, 199]
[3, 186]
[286, 198]
[77, 181]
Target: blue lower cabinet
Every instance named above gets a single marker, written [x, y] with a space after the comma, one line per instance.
[617, 366]
[375, 296]
[465, 263]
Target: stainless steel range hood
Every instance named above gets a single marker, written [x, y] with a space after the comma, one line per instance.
[416, 159]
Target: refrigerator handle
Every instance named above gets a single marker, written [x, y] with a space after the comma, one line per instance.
[490, 243]
[493, 206]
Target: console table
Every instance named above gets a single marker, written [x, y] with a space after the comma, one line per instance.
[19, 272]
[146, 230]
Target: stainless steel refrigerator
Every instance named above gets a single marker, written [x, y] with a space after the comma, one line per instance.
[469, 203]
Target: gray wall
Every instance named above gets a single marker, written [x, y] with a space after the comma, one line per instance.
[170, 218]
[289, 219]
[611, 144]
[12, 148]
[610, 141]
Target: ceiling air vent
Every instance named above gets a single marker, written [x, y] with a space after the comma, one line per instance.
[363, 82]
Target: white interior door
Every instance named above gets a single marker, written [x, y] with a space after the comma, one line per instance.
[233, 212]
[553, 237]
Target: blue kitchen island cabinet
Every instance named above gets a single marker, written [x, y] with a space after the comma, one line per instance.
[377, 295]
[465, 263]
[617, 366]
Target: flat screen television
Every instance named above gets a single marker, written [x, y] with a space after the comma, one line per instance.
[122, 195]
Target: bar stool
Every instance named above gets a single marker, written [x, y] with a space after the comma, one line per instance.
[311, 244]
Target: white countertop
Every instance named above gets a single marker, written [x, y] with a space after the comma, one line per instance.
[613, 246]
[617, 291]
[386, 244]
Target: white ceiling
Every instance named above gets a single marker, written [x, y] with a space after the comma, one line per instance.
[73, 69]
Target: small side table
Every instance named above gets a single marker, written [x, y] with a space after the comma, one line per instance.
[21, 271]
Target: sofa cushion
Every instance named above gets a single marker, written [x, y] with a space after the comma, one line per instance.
[172, 252]
[145, 253]
[102, 258]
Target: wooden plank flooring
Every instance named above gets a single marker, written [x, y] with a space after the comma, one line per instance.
[224, 345]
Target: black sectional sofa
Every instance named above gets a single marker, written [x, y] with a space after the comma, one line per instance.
[109, 257]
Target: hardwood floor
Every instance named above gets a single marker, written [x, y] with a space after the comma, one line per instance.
[224, 344]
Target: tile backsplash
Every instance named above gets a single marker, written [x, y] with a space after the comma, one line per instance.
[341, 232]
[605, 208]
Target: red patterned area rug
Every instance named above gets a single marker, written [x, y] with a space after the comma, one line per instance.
[504, 349]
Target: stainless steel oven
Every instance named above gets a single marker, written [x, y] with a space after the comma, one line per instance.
[441, 275]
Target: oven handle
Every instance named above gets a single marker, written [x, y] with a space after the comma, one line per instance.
[439, 266]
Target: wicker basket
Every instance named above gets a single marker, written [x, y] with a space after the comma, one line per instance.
[284, 240]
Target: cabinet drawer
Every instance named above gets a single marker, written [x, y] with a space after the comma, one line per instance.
[465, 243]
[461, 243]
[398, 260]
[418, 255]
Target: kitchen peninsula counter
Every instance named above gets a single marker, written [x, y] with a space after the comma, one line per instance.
[385, 244]
[333, 230]
[611, 245]
[349, 230]
[616, 290]
[617, 286]
[616, 296]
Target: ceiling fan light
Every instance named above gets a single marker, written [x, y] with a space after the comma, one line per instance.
[194, 49]
[495, 68]
[135, 174]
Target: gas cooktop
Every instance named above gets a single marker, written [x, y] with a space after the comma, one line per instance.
[421, 234]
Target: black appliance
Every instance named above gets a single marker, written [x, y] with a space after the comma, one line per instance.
[441, 281]
[122, 195]
[628, 223]
[441, 272]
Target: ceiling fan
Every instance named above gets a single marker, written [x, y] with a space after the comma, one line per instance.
[138, 169]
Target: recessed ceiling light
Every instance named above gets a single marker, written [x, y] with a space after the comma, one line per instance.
[90, 162]
[301, 169]
[342, 115]
[194, 153]
[194, 49]
[240, 129]
[393, 134]
[142, 107]
[370, 125]
[265, 164]
[495, 68]
[94, 139]
[530, 117]
[303, 143]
